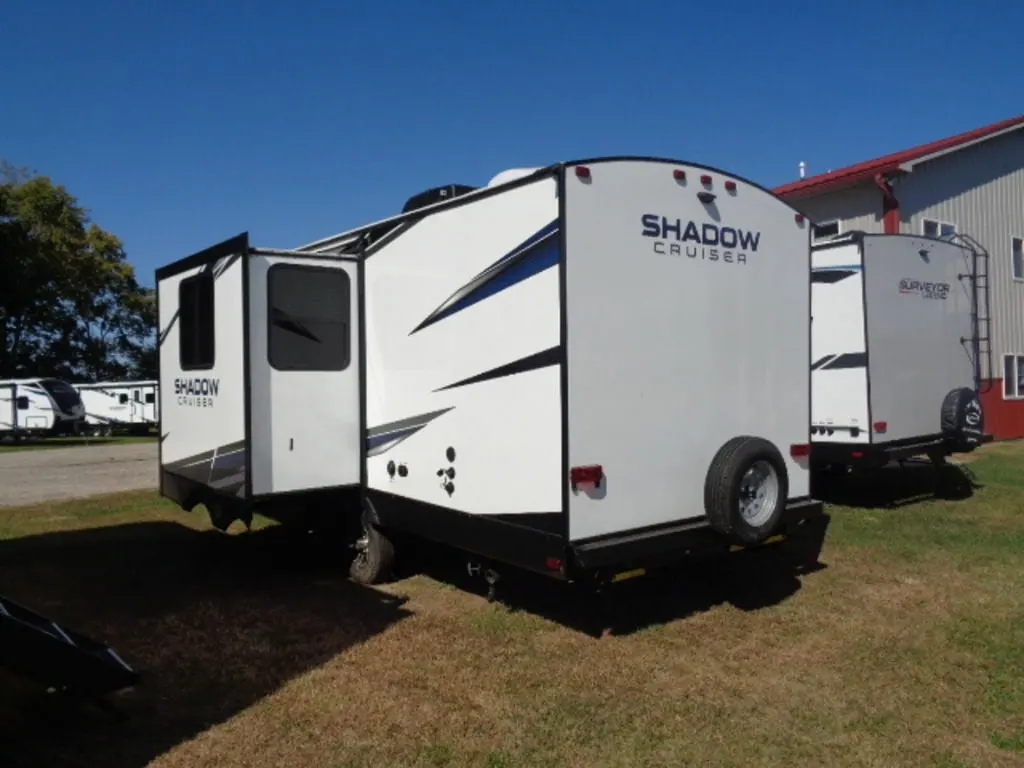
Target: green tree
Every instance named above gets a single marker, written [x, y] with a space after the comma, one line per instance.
[70, 304]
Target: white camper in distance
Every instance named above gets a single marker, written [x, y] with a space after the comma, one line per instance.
[895, 347]
[119, 405]
[574, 370]
[39, 408]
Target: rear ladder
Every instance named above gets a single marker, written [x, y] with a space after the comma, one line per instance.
[981, 320]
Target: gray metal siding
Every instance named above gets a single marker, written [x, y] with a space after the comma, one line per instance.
[855, 208]
[981, 190]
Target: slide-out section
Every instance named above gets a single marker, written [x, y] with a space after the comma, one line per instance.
[202, 370]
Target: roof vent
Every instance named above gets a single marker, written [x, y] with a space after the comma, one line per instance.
[436, 195]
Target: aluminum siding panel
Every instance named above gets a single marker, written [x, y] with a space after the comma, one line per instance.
[981, 191]
[856, 208]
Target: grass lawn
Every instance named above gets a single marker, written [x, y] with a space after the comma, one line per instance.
[8, 446]
[904, 646]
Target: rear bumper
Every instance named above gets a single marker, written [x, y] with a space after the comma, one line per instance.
[653, 547]
[880, 454]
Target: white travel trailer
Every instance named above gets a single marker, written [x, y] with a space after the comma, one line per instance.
[574, 369]
[120, 405]
[896, 349]
[39, 407]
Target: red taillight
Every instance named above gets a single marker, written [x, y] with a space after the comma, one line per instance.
[881, 426]
[679, 175]
[800, 451]
[705, 179]
[730, 186]
[857, 454]
[582, 172]
[799, 218]
[553, 564]
[588, 475]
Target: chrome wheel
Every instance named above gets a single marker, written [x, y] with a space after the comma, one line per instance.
[759, 493]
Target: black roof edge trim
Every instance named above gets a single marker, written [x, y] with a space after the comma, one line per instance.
[237, 244]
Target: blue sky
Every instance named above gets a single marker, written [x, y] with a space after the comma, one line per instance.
[179, 124]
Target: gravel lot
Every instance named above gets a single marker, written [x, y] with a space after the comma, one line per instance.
[29, 477]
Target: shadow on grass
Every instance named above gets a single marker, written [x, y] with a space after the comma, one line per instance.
[212, 623]
[895, 486]
[749, 580]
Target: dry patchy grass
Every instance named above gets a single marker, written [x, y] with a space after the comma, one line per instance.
[905, 648]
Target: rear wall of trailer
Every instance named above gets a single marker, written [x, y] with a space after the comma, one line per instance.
[687, 325]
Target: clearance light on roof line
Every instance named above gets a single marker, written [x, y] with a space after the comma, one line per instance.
[553, 564]
[799, 218]
[705, 179]
[679, 175]
[730, 186]
[881, 426]
[582, 172]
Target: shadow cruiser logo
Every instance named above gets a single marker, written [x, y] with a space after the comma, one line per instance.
[925, 290]
[704, 241]
[196, 393]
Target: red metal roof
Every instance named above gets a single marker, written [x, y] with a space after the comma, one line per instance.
[854, 174]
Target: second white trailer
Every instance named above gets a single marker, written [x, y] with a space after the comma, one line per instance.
[120, 405]
[39, 408]
[895, 346]
[576, 368]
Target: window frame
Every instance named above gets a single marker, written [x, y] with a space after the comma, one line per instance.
[1015, 274]
[939, 223]
[272, 329]
[1018, 393]
[183, 338]
[828, 222]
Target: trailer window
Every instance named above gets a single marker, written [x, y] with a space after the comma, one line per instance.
[309, 310]
[22, 403]
[937, 229]
[1013, 377]
[825, 231]
[1017, 257]
[195, 322]
[150, 398]
[122, 398]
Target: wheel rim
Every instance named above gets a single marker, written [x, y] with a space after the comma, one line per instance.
[759, 493]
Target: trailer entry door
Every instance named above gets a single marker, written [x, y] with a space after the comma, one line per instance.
[308, 357]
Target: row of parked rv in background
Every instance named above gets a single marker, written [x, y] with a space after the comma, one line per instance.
[53, 407]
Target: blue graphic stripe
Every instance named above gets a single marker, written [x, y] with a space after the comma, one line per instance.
[842, 267]
[536, 254]
[375, 441]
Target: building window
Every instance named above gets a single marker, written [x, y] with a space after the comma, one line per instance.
[1013, 377]
[1017, 257]
[937, 229]
[195, 322]
[309, 312]
[826, 230]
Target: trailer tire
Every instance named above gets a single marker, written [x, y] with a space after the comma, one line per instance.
[745, 490]
[375, 554]
[963, 419]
